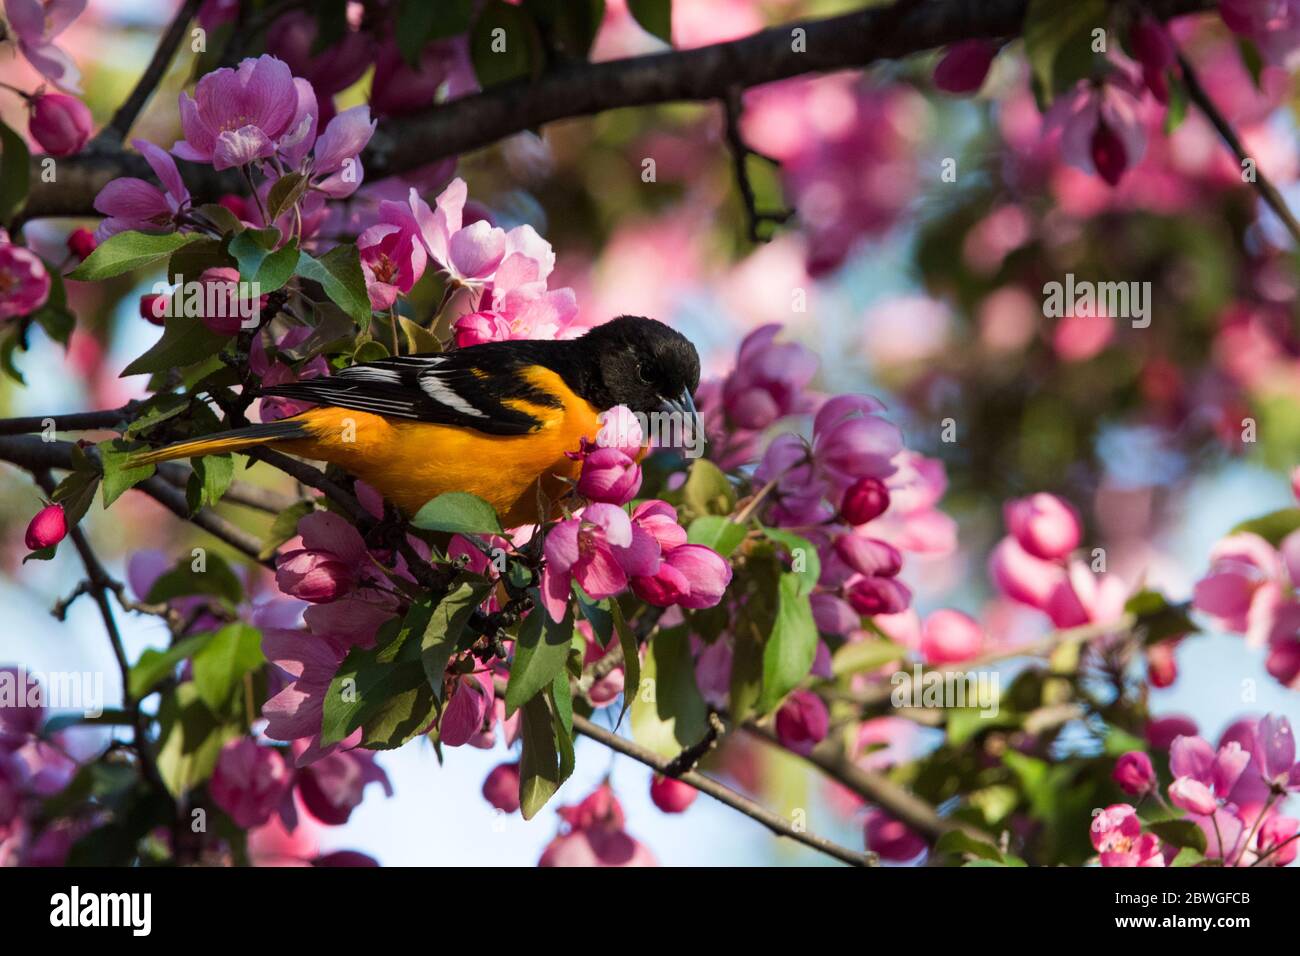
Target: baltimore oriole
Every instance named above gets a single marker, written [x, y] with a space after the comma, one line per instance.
[494, 420]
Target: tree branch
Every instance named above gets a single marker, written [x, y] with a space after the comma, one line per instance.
[850, 41]
[722, 793]
[126, 114]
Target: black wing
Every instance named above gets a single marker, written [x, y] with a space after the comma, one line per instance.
[467, 388]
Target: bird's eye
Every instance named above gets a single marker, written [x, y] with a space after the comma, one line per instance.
[640, 373]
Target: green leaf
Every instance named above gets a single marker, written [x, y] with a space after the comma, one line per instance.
[539, 765]
[790, 648]
[286, 191]
[1158, 618]
[270, 269]
[419, 22]
[631, 659]
[858, 657]
[803, 556]
[569, 26]
[714, 531]
[14, 173]
[212, 475]
[655, 16]
[190, 261]
[383, 689]
[192, 738]
[707, 490]
[284, 527]
[54, 316]
[1272, 527]
[504, 45]
[118, 476]
[76, 492]
[959, 842]
[212, 576]
[597, 614]
[442, 635]
[340, 276]
[154, 665]
[540, 653]
[1058, 41]
[419, 340]
[185, 341]
[220, 665]
[1181, 833]
[458, 512]
[668, 713]
[127, 251]
[226, 221]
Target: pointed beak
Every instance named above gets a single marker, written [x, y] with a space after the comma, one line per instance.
[684, 405]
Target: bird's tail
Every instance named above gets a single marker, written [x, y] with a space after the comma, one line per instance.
[237, 439]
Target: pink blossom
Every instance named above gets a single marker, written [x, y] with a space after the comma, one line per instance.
[1273, 25]
[1276, 752]
[131, 203]
[1117, 836]
[393, 253]
[1021, 576]
[1100, 125]
[872, 596]
[868, 556]
[1162, 732]
[35, 24]
[292, 38]
[1082, 597]
[595, 836]
[690, 575]
[466, 709]
[1274, 844]
[249, 782]
[852, 441]
[606, 689]
[1134, 773]
[964, 66]
[1044, 525]
[1241, 588]
[332, 787]
[23, 279]
[501, 788]
[670, 794]
[950, 637]
[236, 115]
[46, 529]
[768, 381]
[598, 550]
[61, 124]
[802, 722]
[891, 839]
[1203, 776]
[273, 372]
[324, 562]
[1155, 52]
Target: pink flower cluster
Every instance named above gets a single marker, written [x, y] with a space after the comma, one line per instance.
[604, 550]
[1250, 589]
[1032, 565]
[33, 766]
[1234, 794]
[594, 835]
[23, 279]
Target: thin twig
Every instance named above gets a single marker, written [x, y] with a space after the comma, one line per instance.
[722, 793]
[740, 153]
[126, 114]
[1267, 191]
[106, 420]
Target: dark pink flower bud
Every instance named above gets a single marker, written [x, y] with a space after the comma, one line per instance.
[610, 475]
[866, 500]
[802, 722]
[1162, 666]
[869, 556]
[153, 307]
[671, 795]
[1151, 44]
[61, 124]
[873, 596]
[949, 637]
[964, 66]
[1134, 773]
[890, 839]
[501, 788]
[1163, 731]
[81, 242]
[47, 528]
[1108, 153]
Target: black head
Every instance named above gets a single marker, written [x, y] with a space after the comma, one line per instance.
[643, 364]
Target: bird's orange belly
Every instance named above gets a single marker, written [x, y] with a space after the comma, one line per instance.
[410, 463]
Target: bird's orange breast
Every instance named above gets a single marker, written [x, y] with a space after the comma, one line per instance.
[412, 462]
